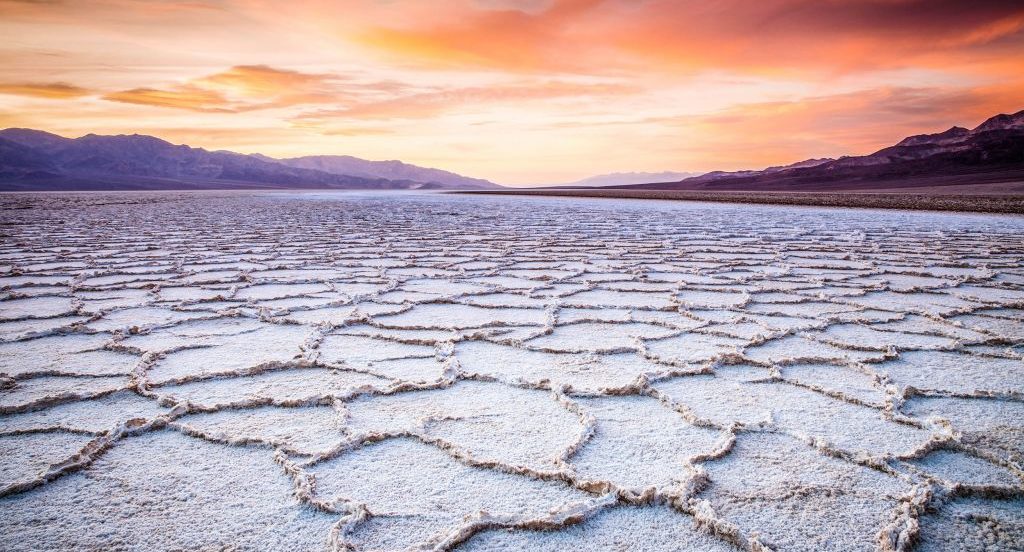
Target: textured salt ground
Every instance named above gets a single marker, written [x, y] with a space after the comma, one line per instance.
[364, 372]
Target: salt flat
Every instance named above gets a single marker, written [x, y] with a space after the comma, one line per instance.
[309, 371]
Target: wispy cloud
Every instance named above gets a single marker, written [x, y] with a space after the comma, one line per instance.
[53, 90]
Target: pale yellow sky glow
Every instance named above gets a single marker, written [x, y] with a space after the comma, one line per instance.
[518, 92]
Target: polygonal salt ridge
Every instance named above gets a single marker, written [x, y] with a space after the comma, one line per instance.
[611, 298]
[456, 316]
[269, 347]
[64, 354]
[692, 348]
[776, 488]
[32, 328]
[86, 416]
[36, 307]
[442, 503]
[495, 423]
[867, 338]
[45, 391]
[190, 334]
[1005, 324]
[836, 427]
[855, 383]
[598, 337]
[991, 427]
[286, 386]
[961, 374]
[998, 295]
[645, 529]
[801, 348]
[162, 481]
[307, 431]
[262, 292]
[138, 319]
[577, 373]
[621, 451]
[966, 522]
[28, 454]
[929, 304]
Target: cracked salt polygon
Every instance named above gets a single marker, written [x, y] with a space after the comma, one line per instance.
[612, 298]
[1000, 327]
[166, 491]
[583, 372]
[418, 507]
[797, 348]
[796, 499]
[923, 325]
[49, 390]
[702, 299]
[95, 415]
[931, 304]
[857, 336]
[692, 347]
[303, 430]
[569, 315]
[288, 386]
[455, 316]
[840, 379]
[955, 372]
[35, 307]
[992, 425]
[28, 455]
[141, 317]
[505, 300]
[491, 421]
[973, 525]
[264, 292]
[271, 344]
[644, 529]
[190, 293]
[36, 327]
[359, 350]
[624, 450]
[801, 412]
[989, 294]
[192, 333]
[597, 337]
[963, 469]
[64, 354]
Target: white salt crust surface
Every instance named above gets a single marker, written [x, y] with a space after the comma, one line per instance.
[360, 371]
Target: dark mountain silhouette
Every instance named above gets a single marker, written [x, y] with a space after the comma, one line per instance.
[37, 160]
[993, 152]
[392, 170]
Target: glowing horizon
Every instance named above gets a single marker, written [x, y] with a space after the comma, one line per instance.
[518, 92]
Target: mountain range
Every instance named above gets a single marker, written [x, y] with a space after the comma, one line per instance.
[992, 152]
[37, 160]
[623, 178]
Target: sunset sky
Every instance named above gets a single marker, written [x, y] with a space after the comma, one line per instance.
[519, 92]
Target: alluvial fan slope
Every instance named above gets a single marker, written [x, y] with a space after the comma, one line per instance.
[374, 372]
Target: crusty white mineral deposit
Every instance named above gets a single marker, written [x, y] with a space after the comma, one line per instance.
[280, 371]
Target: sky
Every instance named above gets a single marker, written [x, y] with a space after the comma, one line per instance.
[516, 91]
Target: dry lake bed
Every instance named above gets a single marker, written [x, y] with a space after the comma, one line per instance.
[358, 371]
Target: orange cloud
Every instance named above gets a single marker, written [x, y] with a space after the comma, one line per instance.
[182, 97]
[768, 35]
[55, 90]
[430, 104]
[240, 88]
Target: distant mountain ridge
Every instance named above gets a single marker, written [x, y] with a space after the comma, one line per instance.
[621, 178]
[37, 160]
[991, 152]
